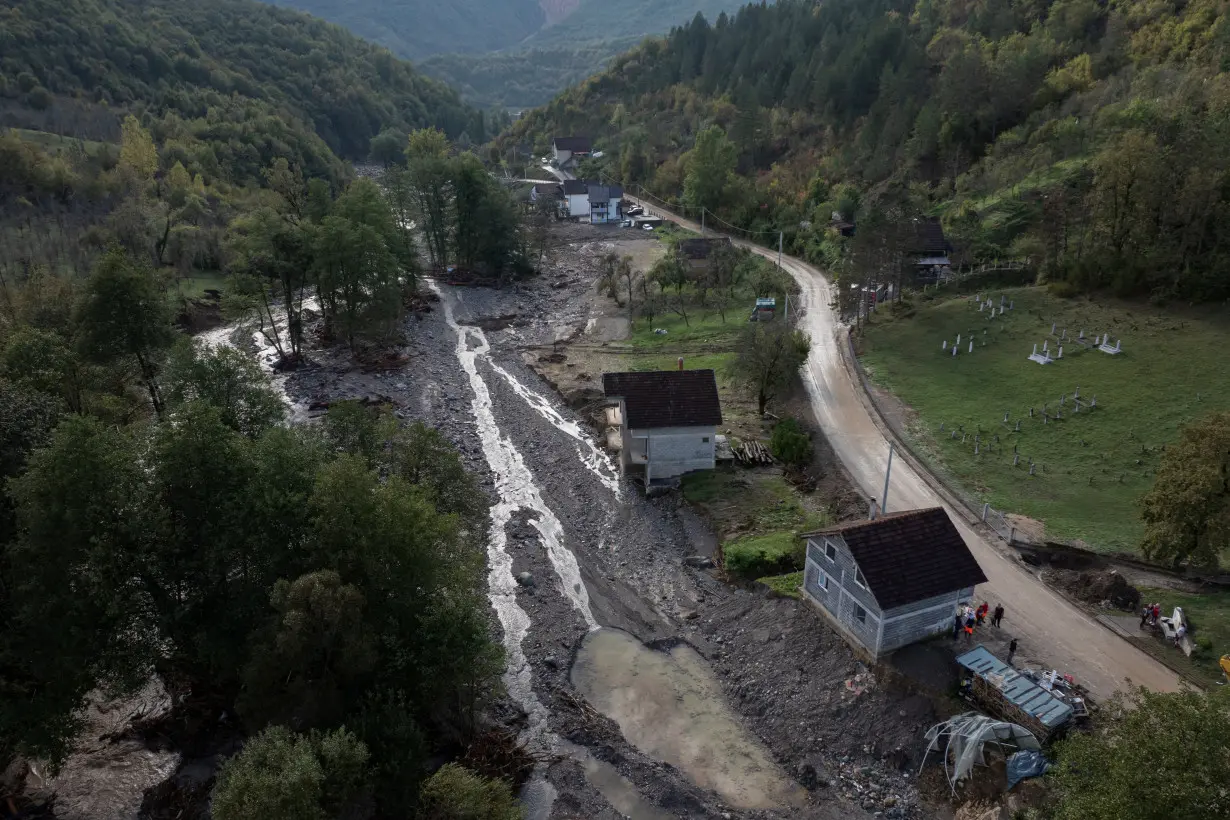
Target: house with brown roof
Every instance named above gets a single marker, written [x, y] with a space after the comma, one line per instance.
[667, 420]
[567, 150]
[890, 581]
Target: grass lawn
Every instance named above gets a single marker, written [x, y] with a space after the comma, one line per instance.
[1209, 613]
[194, 287]
[787, 585]
[757, 514]
[703, 328]
[1092, 466]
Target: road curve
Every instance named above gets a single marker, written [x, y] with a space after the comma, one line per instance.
[1047, 625]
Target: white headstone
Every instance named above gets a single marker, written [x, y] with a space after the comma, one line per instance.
[971, 345]
[958, 338]
[1045, 342]
[1035, 353]
[981, 305]
[1052, 328]
[954, 350]
[944, 345]
[1060, 356]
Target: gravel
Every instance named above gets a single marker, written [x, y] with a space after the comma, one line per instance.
[782, 669]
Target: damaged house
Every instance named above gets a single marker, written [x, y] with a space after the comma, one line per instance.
[890, 581]
[668, 422]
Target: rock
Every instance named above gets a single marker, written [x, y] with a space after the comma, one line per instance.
[807, 775]
[698, 562]
[525, 579]
[689, 614]
[550, 661]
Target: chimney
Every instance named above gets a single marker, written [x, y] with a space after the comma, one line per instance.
[681, 363]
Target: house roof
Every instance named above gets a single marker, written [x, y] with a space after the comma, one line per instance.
[666, 398]
[909, 556]
[548, 189]
[598, 194]
[577, 145]
[701, 248]
[929, 238]
[575, 186]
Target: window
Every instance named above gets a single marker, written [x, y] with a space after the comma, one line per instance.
[860, 614]
[704, 440]
[830, 552]
[823, 582]
[859, 579]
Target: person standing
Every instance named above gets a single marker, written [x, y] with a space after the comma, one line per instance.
[1011, 651]
[998, 615]
[956, 626]
[1145, 612]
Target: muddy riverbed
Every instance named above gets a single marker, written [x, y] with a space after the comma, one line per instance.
[653, 689]
[795, 740]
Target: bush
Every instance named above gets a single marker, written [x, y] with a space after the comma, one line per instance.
[1064, 289]
[791, 444]
[456, 793]
[280, 775]
[1204, 645]
[759, 556]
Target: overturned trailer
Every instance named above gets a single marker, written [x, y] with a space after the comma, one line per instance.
[1013, 696]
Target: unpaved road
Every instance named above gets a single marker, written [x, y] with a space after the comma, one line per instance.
[1047, 625]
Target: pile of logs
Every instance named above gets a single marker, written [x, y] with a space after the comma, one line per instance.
[752, 453]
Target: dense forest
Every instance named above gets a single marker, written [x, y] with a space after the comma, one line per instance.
[414, 29]
[1090, 138]
[216, 66]
[531, 71]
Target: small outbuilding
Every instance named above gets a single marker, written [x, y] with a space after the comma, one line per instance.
[1005, 691]
[892, 580]
[668, 422]
[698, 251]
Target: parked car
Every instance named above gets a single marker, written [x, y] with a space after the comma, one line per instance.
[627, 223]
[649, 227]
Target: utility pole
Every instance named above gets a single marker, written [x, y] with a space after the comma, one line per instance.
[780, 234]
[702, 220]
[786, 317]
[887, 473]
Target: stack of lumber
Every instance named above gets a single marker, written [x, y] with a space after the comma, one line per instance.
[753, 452]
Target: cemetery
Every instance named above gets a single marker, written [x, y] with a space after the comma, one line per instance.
[1054, 409]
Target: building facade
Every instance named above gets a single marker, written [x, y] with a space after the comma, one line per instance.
[891, 581]
[667, 420]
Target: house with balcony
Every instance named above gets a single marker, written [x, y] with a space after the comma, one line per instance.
[667, 422]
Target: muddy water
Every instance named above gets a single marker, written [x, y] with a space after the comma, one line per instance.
[669, 705]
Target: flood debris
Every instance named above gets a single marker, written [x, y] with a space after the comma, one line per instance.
[962, 742]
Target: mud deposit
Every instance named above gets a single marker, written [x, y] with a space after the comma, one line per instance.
[668, 704]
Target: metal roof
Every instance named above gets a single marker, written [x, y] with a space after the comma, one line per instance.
[1017, 689]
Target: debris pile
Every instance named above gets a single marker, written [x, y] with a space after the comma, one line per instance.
[1101, 588]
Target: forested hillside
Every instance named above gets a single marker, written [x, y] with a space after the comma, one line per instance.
[217, 65]
[1089, 137]
[416, 28]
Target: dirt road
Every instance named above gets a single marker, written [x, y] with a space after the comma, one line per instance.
[1048, 626]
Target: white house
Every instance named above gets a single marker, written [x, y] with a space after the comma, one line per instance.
[567, 150]
[605, 203]
[668, 422]
[890, 581]
[576, 199]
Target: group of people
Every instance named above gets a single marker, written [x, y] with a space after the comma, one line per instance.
[968, 617]
[1149, 615]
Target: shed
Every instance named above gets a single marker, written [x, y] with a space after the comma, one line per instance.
[892, 580]
[1003, 690]
[699, 250]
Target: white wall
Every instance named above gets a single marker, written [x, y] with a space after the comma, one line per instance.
[674, 451]
[578, 204]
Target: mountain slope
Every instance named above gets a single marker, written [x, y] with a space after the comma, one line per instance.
[414, 29]
[1093, 138]
[195, 57]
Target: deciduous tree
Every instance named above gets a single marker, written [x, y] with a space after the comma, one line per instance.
[1187, 513]
[768, 357]
[710, 164]
[1153, 756]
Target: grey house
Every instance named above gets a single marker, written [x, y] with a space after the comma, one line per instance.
[890, 581]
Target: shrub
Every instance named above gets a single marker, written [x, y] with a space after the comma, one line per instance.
[1204, 645]
[1064, 289]
[456, 793]
[791, 444]
[758, 556]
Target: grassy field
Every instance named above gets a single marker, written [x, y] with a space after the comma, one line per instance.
[1209, 614]
[1091, 466]
[787, 585]
[194, 287]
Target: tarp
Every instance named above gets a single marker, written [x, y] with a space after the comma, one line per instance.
[961, 740]
[1025, 764]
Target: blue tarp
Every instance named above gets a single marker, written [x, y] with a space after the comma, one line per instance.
[1025, 764]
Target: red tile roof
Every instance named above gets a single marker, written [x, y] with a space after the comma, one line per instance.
[909, 556]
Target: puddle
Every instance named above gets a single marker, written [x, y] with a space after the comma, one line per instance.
[618, 790]
[668, 705]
